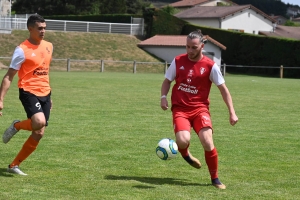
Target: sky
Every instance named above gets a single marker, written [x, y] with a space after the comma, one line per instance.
[294, 2]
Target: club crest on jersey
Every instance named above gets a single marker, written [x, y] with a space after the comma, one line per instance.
[191, 72]
[189, 80]
[202, 70]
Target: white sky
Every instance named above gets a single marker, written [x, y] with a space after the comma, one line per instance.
[294, 2]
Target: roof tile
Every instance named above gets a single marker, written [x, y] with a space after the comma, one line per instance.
[173, 40]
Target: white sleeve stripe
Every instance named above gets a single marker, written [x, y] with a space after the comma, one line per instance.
[216, 76]
[171, 72]
[17, 59]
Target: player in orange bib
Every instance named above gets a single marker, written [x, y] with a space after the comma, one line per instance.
[194, 74]
[31, 60]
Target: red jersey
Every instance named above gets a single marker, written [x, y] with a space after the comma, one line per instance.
[192, 83]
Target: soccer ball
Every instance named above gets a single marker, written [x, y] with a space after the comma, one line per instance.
[166, 149]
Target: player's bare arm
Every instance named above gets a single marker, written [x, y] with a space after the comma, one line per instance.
[7, 79]
[233, 119]
[164, 92]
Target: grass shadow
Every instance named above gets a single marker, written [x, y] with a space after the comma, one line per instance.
[155, 181]
[143, 187]
[3, 172]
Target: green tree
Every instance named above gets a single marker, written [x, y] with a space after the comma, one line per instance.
[136, 6]
[276, 7]
[79, 7]
[170, 10]
[57, 7]
[291, 23]
[113, 7]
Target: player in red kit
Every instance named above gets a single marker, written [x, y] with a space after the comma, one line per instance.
[194, 74]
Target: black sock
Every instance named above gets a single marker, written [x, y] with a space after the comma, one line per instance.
[188, 159]
[216, 181]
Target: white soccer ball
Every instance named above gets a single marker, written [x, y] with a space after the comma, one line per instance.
[166, 149]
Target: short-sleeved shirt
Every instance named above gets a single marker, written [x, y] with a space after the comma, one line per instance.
[33, 63]
[193, 82]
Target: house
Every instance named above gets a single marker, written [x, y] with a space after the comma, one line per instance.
[283, 32]
[279, 19]
[5, 8]
[293, 11]
[167, 47]
[296, 19]
[186, 4]
[246, 18]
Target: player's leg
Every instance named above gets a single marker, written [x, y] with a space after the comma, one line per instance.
[205, 134]
[182, 128]
[211, 156]
[38, 109]
[28, 101]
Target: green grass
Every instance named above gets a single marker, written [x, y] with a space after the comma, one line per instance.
[84, 46]
[104, 127]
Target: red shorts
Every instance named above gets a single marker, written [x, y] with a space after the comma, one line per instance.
[198, 119]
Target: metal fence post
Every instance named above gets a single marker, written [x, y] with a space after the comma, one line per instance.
[281, 71]
[68, 64]
[102, 66]
[166, 66]
[224, 69]
[134, 66]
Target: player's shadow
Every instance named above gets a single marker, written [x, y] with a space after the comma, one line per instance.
[3, 172]
[154, 180]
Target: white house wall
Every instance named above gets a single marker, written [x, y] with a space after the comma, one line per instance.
[169, 53]
[211, 48]
[249, 21]
[4, 8]
[164, 52]
[213, 3]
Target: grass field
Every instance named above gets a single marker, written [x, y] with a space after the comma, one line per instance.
[104, 127]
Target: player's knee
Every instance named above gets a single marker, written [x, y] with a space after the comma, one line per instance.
[38, 134]
[182, 144]
[38, 124]
[183, 139]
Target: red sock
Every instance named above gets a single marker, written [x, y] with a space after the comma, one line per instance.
[184, 152]
[211, 158]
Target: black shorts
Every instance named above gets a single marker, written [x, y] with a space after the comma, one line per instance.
[33, 104]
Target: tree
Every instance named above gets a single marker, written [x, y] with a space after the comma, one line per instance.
[113, 7]
[58, 7]
[276, 7]
[78, 7]
[169, 9]
[136, 6]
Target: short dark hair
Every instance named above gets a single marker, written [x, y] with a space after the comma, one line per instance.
[34, 18]
[197, 34]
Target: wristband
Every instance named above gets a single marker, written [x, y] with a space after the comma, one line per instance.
[163, 96]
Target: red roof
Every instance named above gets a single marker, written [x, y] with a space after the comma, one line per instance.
[185, 3]
[284, 32]
[174, 40]
[190, 3]
[217, 12]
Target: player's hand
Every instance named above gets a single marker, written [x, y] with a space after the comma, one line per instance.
[233, 119]
[164, 104]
